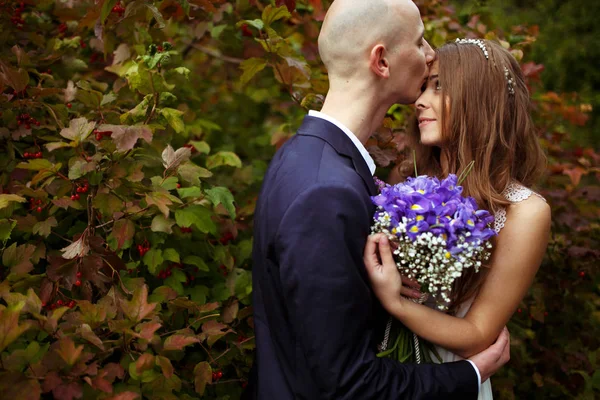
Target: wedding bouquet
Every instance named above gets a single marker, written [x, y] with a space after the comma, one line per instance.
[437, 234]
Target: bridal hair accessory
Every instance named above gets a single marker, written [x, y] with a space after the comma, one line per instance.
[510, 81]
[476, 42]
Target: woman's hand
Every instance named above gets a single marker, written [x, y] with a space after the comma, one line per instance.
[389, 286]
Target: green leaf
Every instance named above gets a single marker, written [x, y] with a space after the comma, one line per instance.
[191, 173]
[106, 9]
[160, 21]
[222, 195]
[36, 164]
[223, 158]
[153, 259]
[163, 362]
[173, 118]
[183, 71]
[251, 67]
[6, 228]
[197, 261]
[7, 198]
[123, 231]
[202, 147]
[107, 203]
[162, 224]
[108, 98]
[199, 216]
[257, 23]
[168, 184]
[202, 376]
[79, 168]
[171, 255]
[271, 14]
[43, 228]
[193, 191]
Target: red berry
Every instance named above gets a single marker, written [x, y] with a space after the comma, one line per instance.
[77, 282]
[78, 190]
[37, 123]
[26, 155]
[178, 185]
[72, 304]
[59, 303]
[82, 44]
[39, 209]
[246, 31]
[39, 201]
[98, 136]
[69, 105]
[219, 375]
[78, 274]
[214, 376]
[581, 274]
[159, 49]
[43, 304]
[39, 154]
[519, 310]
[73, 197]
[27, 126]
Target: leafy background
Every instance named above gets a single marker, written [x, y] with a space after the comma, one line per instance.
[134, 138]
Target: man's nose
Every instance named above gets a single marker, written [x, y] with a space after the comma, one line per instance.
[429, 54]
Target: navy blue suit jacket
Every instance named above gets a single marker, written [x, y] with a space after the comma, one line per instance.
[315, 314]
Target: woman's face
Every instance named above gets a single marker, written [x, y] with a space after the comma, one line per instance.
[429, 109]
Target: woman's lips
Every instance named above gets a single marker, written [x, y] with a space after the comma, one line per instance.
[425, 121]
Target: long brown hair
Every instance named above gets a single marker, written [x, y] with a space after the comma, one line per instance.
[485, 122]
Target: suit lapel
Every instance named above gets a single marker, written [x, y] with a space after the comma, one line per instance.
[318, 127]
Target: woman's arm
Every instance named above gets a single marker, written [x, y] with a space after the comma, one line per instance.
[516, 258]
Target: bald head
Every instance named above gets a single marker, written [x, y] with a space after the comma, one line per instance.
[352, 27]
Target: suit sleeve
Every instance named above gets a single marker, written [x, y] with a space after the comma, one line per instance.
[320, 241]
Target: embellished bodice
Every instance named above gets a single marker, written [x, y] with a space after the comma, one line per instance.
[515, 193]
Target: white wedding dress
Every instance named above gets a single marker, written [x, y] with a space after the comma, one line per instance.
[514, 193]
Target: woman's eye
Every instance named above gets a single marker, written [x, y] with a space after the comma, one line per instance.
[438, 86]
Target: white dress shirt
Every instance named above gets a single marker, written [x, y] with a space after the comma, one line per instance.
[361, 148]
[371, 164]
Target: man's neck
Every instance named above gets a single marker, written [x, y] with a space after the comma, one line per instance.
[356, 110]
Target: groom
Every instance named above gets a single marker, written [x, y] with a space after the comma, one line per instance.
[315, 315]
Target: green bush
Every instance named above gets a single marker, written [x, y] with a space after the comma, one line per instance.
[134, 138]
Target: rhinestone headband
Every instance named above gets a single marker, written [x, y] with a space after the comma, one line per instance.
[476, 42]
[510, 81]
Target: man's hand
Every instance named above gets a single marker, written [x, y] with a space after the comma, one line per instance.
[491, 359]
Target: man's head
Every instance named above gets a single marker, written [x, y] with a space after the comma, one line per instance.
[379, 42]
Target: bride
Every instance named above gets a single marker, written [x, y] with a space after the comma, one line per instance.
[474, 106]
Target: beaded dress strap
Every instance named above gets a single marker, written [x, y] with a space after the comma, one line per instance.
[515, 193]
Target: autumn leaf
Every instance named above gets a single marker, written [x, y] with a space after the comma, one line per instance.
[86, 332]
[271, 14]
[67, 350]
[165, 365]
[7, 198]
[202, 376]
[10, 328]
[124, 396]
[147, 329]
[18, 258]
[79, 129]
[172, 158]
[123, 231]
[43, 228]
[138, 308]
[70, 91]
[161, 200]
[76, 249]
[223, 158]
[178, 341]
[16, 385]
[144, 363]
[125, 137]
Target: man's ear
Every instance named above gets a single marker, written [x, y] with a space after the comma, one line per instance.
[378, 62]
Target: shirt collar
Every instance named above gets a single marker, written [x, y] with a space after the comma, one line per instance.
[361, 148]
